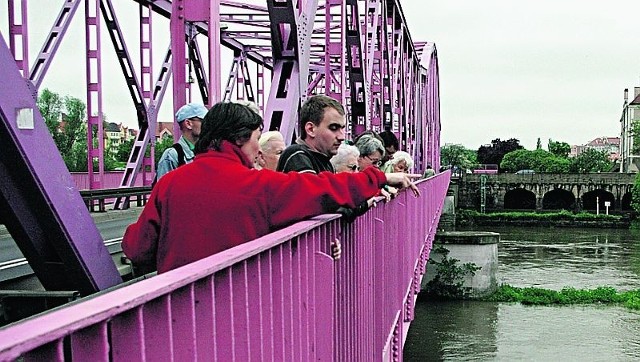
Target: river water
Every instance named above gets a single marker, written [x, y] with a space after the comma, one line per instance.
[545, 258]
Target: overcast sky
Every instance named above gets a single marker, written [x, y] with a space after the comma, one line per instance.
[520, 69]
[527, 69]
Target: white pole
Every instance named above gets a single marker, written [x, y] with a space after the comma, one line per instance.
[597, 205]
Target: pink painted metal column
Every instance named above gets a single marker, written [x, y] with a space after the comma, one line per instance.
[146, 85]
[291, 29]
[335, 77]
[431, 117]
[18, 35]
[359, 90]
[183, 15]
[95, 139]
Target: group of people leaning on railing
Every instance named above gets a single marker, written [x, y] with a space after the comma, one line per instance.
[237, 185]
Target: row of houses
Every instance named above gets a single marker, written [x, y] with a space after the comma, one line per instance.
[116, 133]
[610, 145]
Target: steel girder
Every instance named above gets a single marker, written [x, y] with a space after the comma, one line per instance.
[39, 203]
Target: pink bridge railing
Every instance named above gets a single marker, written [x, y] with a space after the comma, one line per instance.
[110, 180]
[280, 297]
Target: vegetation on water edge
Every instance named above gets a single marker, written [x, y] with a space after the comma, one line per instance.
[566, 296]
[448, 282]
[466, 215]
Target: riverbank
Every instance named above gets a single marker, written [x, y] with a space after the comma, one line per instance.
[563, 219]
[531, 259]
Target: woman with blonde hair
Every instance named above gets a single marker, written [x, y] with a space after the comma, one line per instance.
[399, 162]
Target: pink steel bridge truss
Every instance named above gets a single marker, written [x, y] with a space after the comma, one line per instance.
[282, 51]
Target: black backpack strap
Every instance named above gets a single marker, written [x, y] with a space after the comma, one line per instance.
[178, 148]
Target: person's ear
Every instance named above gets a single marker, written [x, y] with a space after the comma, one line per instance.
[261, 161]
[310, 129]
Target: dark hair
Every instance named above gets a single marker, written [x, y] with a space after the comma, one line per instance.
[313, 111]
[226, 121]
[389, 139]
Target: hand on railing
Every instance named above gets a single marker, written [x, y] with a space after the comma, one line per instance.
[388, 192]
[336, 249]
[404, 180]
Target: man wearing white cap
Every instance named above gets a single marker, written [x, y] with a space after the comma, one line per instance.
[189, 117]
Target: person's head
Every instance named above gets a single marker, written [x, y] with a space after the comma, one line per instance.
[390, 142]
[371, 151]
[231, 122]
[346, 160]
[401, 162]
[251, 105]
[322, 124]
[189, 118]
[271, 147]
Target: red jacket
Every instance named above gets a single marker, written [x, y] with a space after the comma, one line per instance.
[217, 202]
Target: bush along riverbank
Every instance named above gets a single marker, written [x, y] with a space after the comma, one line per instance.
[557, 219]
[566, 296]
[448, 284]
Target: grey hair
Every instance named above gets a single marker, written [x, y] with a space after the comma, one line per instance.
[369, 144]
[251, 105]
[268, 136]
[344, 151]
[401, 156]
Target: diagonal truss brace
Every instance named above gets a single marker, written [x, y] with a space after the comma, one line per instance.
[39, 203]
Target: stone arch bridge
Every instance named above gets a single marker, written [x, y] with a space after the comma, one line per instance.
[574, 192]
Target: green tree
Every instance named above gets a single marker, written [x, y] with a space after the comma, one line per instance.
[493, 153]
[560, 149]
[162, 145]
[635, 134]
[74, 129]
[50, 106]
[457, 155]
[538, 160]
[538, 144]
[70, 135]
[124, 150]
[591, 160]
[517, 160]
[65, 118]
[635, 194]
[76, 158]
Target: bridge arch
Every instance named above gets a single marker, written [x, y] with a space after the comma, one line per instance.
[519, 199]
[558, 199]
[600, 196]
[625, 202]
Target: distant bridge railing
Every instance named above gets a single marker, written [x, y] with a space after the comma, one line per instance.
[111, 179]
[100, 197]
[279, 297]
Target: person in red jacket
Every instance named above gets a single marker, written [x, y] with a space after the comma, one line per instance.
[219, 201]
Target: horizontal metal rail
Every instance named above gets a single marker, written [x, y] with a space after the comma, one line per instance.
[101, 196]
[19, 267]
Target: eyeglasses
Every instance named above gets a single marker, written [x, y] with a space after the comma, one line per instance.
[353, 168]
[375, 162]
